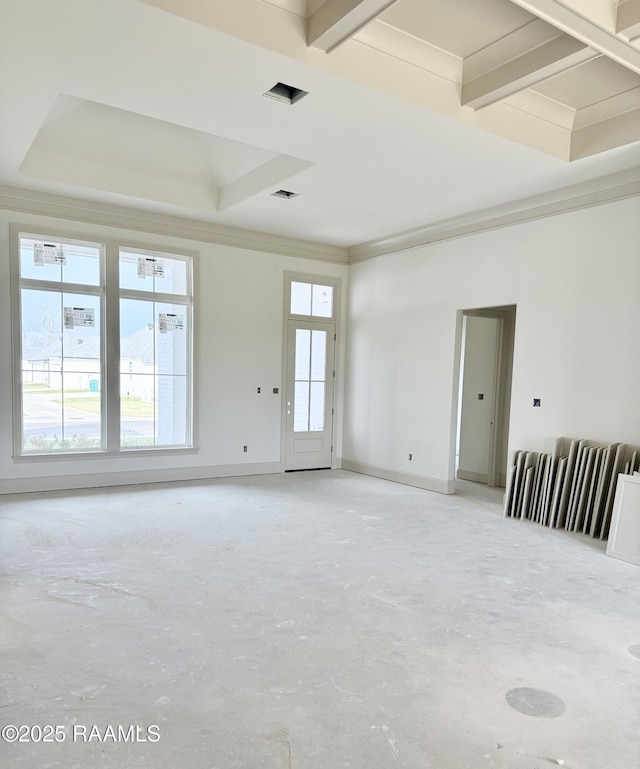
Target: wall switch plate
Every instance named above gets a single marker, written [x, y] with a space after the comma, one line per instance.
[480, 396]
[537, 402]
[276, 390]
[244, 448]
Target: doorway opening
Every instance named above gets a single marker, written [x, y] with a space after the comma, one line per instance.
[484, 394]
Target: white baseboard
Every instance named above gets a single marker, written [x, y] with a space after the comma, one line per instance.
[440, 485]
[469, 475]
[134, 477]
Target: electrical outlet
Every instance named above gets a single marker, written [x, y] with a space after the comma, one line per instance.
[537, 402]
[276, 390]
[410, 457]
[244, 448]
[259, 389]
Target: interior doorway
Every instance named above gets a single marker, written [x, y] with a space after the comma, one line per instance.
[484, 394]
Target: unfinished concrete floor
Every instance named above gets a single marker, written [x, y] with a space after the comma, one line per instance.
[311, 621]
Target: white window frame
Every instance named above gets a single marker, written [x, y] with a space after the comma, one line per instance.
[109, 290]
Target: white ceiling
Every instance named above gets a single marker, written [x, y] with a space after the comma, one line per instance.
[158, 105]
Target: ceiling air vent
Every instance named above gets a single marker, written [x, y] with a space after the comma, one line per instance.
[285, 194]
[286, 93]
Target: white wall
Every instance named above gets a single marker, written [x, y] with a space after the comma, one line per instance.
[239, 340]
[575, 279]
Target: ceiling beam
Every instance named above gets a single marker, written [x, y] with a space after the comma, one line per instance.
[336, 21]
[584, 29]
[606, 134]
[606, 109]
[502, 71]
[628, 19]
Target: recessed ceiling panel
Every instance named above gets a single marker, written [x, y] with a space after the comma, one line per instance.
[462, 27]
[590, 83]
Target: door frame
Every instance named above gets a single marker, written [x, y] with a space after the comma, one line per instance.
[324, 280]
[503, 385]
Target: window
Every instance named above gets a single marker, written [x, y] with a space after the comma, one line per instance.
[61, 307]
[155, 319]
[310, 380]
[105, 359]
[311, 299]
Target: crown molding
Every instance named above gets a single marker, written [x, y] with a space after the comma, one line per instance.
[109, 215]
[605, 189]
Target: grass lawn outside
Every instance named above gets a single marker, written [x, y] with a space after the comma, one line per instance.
[130, 406]
[37, 389]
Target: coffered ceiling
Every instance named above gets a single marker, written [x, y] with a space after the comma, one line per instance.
[570, 68]
[418, 113]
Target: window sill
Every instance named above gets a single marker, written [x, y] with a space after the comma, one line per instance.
[93, 455]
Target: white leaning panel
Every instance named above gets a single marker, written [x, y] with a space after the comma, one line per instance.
[624, 537]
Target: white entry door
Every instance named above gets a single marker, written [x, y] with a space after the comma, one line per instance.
[309, 395]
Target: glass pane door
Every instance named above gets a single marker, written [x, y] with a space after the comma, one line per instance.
[310, 380]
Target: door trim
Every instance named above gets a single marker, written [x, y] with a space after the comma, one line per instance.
[502, 401]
